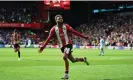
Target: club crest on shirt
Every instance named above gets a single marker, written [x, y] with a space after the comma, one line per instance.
[61, 34]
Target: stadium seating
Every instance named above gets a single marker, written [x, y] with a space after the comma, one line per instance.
[114, 28]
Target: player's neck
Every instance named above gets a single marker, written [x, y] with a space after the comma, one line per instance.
[60, 26]
[14, 33]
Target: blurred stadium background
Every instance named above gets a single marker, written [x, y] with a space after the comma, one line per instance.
[111, 19]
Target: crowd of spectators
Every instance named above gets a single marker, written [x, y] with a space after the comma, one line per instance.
[17, 12]
[6, 35]
[114, 28]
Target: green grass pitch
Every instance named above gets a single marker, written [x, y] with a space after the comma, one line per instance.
[115, 65]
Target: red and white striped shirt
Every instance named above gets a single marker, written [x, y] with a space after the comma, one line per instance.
[15, 38]
[62, 35]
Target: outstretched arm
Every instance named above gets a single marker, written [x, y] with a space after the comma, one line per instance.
[19, 38]
[76, 33]
[12, 39]
[47, 40]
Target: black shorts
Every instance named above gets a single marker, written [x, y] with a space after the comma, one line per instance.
[67, 49]
[16, 46]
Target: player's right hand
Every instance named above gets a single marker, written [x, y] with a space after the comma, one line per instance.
[40, 50]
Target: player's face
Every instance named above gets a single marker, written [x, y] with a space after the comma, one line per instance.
[15, 32]
[59, 20]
